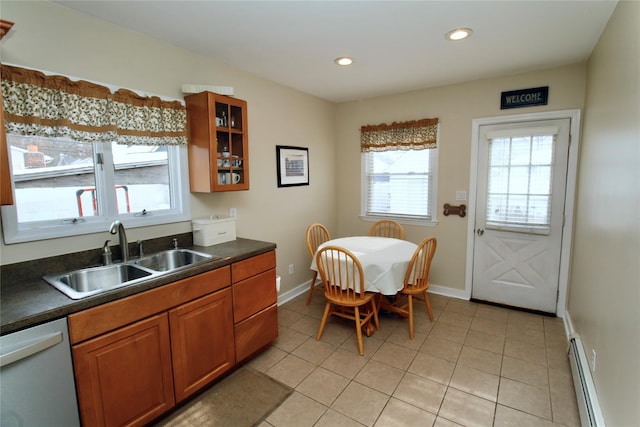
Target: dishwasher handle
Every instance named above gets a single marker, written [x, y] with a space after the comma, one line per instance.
[33, 347]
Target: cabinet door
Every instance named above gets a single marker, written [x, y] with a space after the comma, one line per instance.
[6, 191]
[202, 342]
[231, 148]
[124, 377]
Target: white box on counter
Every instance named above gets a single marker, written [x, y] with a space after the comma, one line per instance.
[213, 230]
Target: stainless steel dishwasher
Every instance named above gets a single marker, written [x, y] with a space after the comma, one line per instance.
[36, 378]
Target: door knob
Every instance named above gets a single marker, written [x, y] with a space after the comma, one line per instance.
[480, 231]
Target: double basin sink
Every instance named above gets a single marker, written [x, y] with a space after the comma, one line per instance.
[85, 282]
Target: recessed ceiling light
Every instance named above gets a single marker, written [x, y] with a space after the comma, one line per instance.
[343, 60]
[458, 34]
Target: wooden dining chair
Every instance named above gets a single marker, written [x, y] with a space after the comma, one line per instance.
[343, 279]
[316, 235]
[387, 228]
[416, 282]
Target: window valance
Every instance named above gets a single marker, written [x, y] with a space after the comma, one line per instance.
[55, 106]
[411, 135]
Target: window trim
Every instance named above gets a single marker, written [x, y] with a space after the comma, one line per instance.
[402, 219]
[179, 187]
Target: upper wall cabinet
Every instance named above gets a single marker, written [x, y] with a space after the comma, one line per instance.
[6, 191]
[218, 143]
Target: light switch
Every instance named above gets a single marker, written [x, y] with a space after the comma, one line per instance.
[461, 195]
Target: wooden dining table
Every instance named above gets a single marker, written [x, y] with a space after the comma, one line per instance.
[384, 262]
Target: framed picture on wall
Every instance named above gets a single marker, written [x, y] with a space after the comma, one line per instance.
[293, 165]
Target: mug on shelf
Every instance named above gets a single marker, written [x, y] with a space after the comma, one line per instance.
[236, 163]
[225, 159]
[226, 178]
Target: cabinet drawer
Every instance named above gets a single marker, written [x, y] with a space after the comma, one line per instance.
[254, 294]
[250, 267]
[107, 317]
[256, 332]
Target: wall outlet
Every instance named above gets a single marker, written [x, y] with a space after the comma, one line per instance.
[290, 268]
[593, 359]
[233, 213]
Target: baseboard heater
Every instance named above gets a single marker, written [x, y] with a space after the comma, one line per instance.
[588, 406]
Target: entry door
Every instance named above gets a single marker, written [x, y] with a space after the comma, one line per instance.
[522, 173]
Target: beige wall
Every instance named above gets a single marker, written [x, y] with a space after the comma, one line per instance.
[604, 294]
[49, 37]
[53, 38]
[456, 106]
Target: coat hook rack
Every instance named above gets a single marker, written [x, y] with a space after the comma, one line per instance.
[455, 210]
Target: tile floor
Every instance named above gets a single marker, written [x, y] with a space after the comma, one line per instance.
[475, 365]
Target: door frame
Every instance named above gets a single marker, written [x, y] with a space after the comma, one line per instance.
[570, 193]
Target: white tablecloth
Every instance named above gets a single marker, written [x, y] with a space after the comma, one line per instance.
[384, 260]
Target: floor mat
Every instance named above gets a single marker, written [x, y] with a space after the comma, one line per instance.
[244, 398]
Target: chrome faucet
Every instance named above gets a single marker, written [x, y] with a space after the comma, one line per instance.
[117, 227]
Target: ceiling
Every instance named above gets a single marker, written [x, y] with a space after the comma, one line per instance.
[398, 46]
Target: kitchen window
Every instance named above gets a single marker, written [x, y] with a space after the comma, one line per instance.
[64, 188]
[82, 157]
[399, 171]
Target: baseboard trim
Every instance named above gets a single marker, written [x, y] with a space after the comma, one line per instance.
[448, 292]
[285, 297]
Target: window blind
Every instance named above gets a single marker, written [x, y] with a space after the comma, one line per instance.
[398, 183]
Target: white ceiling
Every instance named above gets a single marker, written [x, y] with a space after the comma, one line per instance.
[398, 46]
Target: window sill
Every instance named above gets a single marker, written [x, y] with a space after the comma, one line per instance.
[401, 220]
[90, 225]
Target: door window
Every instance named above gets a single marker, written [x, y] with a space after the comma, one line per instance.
[520, 174]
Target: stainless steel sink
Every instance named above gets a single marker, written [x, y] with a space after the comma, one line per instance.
[88, 281]
[173, 259]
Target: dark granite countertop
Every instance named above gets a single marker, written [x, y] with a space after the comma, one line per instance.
[27, 300]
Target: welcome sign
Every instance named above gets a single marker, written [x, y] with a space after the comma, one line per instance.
[524, 98]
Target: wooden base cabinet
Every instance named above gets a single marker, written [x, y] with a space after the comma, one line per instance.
[181, 339]
[201, 333]
[137, 357]
[124, 377]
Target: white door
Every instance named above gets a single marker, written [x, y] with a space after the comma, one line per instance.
[520, 195]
